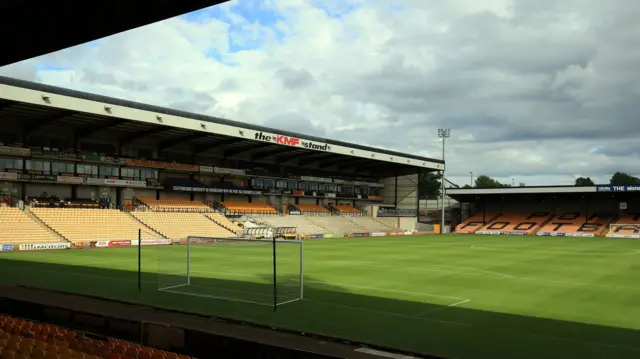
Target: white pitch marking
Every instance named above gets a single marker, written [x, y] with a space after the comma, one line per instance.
[413, 317]
[429, 312]
[389, 290]
[173, 286]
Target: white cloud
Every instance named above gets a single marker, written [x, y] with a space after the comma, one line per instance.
[528, 88]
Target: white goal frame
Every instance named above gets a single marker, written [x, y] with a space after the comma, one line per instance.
[274, 242]
[614, 235]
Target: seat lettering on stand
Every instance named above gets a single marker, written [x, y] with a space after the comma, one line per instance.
[570, 216]
[524, 226]
[498, 225]
[590, 227]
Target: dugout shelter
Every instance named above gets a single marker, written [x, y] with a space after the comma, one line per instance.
[83, 146]
[601, 210]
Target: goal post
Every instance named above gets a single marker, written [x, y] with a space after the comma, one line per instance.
[624, 230]
[267, 272]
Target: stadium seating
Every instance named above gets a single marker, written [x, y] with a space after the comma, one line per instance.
[249, 208]
[346, 209]
[78, 225]
[23, 339]
[475, 222]
[310, 208]
[575, 224]
[174, 205]
[302, 224]
[373, 225]
[179, 225]
[336, 224]
[17, 227]
[222, 220]
[516, 223]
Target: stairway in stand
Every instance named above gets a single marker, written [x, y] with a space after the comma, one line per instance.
[27, 211]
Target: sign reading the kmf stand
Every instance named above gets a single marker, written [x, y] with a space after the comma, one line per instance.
[44, 246]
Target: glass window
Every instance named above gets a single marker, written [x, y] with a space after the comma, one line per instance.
[10, 163]
[88, 170]
[148, 173]
[57, 167]
[257, 183]
[281, 184]
[41, 166]
[108, 171]
[130, 172]
[314, 186]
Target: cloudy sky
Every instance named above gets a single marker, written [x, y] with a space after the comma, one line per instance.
[538, 92]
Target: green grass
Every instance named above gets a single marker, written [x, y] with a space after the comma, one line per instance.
[452, 296]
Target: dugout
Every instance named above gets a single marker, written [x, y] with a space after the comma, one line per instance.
[602, 201]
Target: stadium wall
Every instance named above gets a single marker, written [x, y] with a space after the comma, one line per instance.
[37, 190]
[401, 191]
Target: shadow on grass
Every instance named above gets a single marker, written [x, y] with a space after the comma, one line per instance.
[330, 310]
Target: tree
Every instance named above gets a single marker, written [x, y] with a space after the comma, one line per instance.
[466, 186]
[430, 185]
[623, 179]
[584, 181]
[484, 181]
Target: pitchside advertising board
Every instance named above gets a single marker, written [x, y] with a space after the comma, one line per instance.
[128, 243]
[44, 246]
[6, 248]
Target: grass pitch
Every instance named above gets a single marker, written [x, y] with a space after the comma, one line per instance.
[453, 296]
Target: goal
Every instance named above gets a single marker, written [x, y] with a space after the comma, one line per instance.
[622, 230]
[266, 272]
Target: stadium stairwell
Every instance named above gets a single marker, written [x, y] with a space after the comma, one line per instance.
[383, 223]
[309, 218]
[355, 223]
[221, 220]
[41, 223]
[145, 225]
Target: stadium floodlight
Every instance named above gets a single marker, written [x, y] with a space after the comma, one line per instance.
[443, 133]
[471, 179]
[266, 272]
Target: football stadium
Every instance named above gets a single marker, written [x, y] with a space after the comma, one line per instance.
[203, 216]
[130, 231]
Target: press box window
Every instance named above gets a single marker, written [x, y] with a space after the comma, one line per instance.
[10, 164]
[57, 167]
[39, 166]
[88, 170]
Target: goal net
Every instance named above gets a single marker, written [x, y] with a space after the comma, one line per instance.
[258, 271]
[621, 230]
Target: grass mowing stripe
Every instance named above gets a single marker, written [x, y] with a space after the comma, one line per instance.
[566, 298]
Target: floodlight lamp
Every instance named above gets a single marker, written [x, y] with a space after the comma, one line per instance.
[444, 132]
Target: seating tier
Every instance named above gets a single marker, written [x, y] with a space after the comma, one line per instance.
[175, 205]
[78, 225]
[17, 227]
[180, 225]
[249, 208]
[516, 223]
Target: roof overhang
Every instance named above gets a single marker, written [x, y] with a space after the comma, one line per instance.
[40, 27]
[253, 143]
[473, 194]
